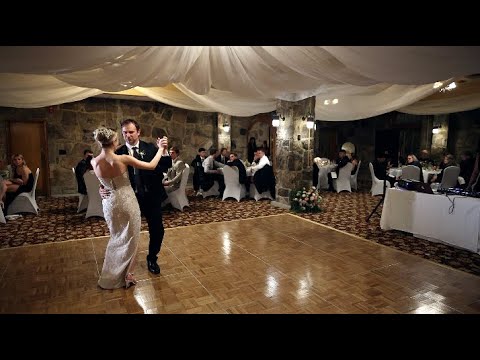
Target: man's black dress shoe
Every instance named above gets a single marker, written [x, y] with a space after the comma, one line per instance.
[153, 267]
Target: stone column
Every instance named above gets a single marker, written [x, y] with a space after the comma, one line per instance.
[294, 148]
[440, 140]
[224, 137]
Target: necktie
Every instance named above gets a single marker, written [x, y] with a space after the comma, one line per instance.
[136, 172]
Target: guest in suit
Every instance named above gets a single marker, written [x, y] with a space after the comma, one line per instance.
[82, 167]
[466, 165]
[223, 157]
[380, 169]
[341, 161]
[174, 174]
[197, 165]
[235, 161]
[147, 185]
[252, 149]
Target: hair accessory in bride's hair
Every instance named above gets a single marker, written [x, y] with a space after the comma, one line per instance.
[104, 136]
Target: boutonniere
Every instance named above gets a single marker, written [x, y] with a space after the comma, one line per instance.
[142, 153]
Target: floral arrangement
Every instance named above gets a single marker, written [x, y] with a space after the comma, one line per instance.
[303, 200]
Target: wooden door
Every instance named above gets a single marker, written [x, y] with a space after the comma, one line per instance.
[29, 138]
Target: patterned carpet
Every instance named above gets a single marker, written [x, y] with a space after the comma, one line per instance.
[58, 221]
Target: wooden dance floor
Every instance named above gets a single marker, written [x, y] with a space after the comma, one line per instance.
[274, 264]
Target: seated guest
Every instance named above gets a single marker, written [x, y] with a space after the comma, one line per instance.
[174, 174]
[380, 169]
[354, 160]
[82, 167]
[259, 161]
[223, 157]
[210, 166]
[197, 165]
[467, 164]
[235, 161]
[264, 179]
[22, 179]
[341, 161]
[412, 160]
[448, 160]
[425, 158]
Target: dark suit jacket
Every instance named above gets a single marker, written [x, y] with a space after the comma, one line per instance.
[80, 170]
[242, 172]
[264, 180]
[219, 159]
[151, 179]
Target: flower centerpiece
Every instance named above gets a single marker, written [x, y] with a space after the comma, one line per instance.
[303, 200]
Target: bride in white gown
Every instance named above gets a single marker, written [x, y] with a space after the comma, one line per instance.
[120, 209]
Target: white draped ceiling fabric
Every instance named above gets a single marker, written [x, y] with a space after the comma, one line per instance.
[246, 80]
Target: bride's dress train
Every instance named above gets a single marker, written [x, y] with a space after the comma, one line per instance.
[122, 215]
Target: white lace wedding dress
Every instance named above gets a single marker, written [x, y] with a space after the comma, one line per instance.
[122, 215]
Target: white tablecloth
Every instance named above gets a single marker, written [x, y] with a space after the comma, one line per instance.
[428, 216]
[397, 172]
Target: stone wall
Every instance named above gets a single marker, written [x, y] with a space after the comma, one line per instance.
[70, 127]
[294, 149]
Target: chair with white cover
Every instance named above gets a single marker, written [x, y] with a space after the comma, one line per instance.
[377, 184]
[25, 202]
[92, 183]
[2, 217]
[233, 188]
[178, 198]
[257, 196]
[342, 182]
[82, 199]
[353, 178]
[411, 172]
[450, 177]
[213, 191]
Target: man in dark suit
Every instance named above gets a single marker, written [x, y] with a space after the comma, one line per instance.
[222, 158]
[147, 185]
[82, 167]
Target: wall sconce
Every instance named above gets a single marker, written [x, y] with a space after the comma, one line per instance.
[436, 129]
[226, 127]
[275, 120]
[310, 122]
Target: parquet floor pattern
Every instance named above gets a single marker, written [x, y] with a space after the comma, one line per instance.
[273, 264]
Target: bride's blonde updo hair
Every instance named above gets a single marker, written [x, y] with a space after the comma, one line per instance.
[104, 136]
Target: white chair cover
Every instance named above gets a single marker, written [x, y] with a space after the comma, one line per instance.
[353, 178]
[257, 196]
[377, 184]
[25, 202]
[2, 217]
[213, 191]
[82, 199]
[450, 177]
[178, 198]
[95, 207]
[342, 183]
[411, 172]
[233, 188]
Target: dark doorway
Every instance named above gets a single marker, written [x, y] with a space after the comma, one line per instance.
[388, 141]
[327, 143]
